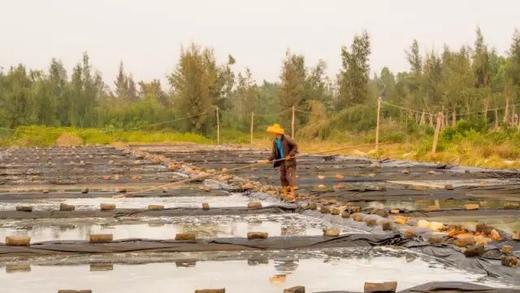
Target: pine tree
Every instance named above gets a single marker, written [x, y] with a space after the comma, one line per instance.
[354, 76]
[292, 87]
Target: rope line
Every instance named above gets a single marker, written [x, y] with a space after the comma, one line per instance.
[204, 176]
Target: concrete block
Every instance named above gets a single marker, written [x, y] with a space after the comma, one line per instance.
[100, 238]
[257, 235]
[17, 240]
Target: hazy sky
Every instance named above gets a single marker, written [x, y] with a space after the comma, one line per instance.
[147, 35]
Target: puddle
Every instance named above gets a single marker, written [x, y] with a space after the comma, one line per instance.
[318, 272]
[504, 223]
[233, 200]
[166, 227]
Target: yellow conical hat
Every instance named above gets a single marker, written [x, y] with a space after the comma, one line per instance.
[276, 129]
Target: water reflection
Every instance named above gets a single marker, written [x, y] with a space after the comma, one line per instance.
[318, 272]
[233, 200]
[165, 228]
[423, 204]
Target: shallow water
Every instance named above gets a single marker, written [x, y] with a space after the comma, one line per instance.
[316, 273]
[165, 227]
[508, 224]
[446, 204]
[233, 200]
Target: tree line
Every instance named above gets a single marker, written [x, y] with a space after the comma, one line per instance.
[469, 82]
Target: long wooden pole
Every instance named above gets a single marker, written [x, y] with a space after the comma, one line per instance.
[292, 121]
[437, 132]
[378, 119]
[218, 126]
[252, 125]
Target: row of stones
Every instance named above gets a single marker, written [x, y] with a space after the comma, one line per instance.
[369, 287]
[472, 243]
[104, 207]
[509, 260]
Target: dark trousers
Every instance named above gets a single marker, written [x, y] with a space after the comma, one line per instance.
[287, 175]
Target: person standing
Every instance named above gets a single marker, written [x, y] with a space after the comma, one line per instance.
[283, 155]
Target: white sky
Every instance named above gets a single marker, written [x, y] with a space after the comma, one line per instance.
[147, 35]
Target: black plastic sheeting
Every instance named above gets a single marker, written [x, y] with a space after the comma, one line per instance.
[487, 264]
[445, 287]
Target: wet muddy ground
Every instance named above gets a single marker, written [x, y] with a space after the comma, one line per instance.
[295, 252]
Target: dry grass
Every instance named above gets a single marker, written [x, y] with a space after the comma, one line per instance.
[501, 156]
[68, 139]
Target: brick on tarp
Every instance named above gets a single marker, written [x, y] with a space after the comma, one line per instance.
[296, 289]
[17, 240]
[389, 287]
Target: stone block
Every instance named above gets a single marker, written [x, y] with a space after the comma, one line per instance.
[510, 261]
[17, 240]
[389, 287]
[254, 205]
[24, 209]
[107, 207]
[257, 235]
[186, 236]
[331, 232]
[66, 207]
[474, 250]
[155, 207]
[205, 206]
[100, 238]
[296, 289]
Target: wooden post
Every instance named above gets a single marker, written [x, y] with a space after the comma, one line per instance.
[218, 126]
[437, 132]
[496, 118]
[513, 114]
[378, 121]
[252, 125]
[506, 112]
[454, 117]
[486, 107]
[292, 121]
